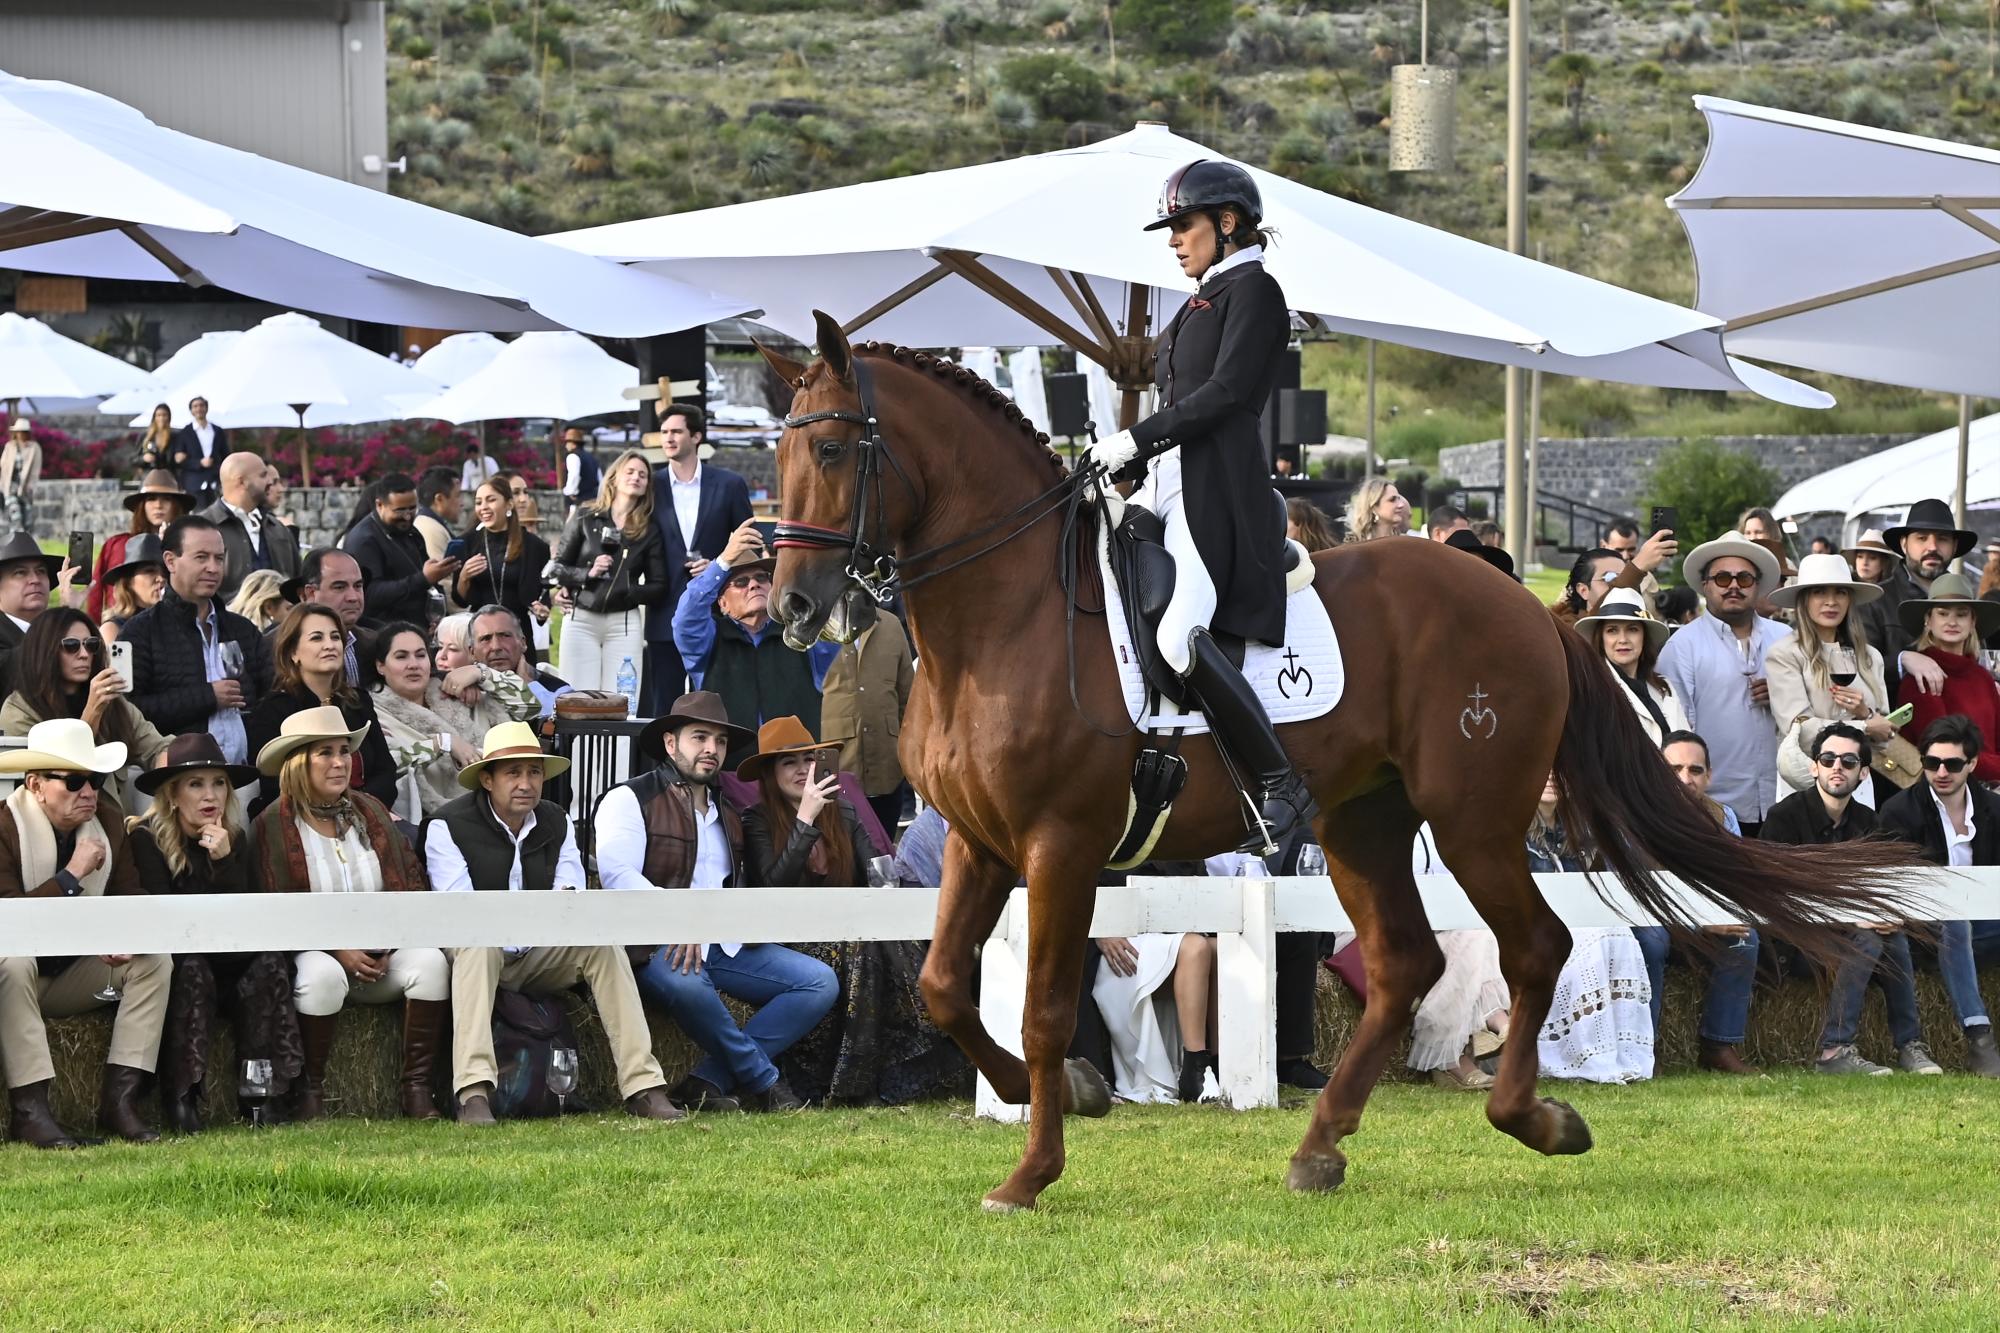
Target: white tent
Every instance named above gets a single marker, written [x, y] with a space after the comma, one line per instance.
[89, 186]
[54, 373]
[1048, 249]
[1897, 478]
[181, 370]
[1024, 369]
[459, 357]
[559, 375]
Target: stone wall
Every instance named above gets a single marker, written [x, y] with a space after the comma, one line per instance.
[1612, 473]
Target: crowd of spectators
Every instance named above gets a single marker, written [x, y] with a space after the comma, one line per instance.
[375, 716]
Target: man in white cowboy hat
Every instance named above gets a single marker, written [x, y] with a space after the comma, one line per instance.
[52, 845]
[501, 835]
[1715, 665]
[1928, 540]
[1871, 558]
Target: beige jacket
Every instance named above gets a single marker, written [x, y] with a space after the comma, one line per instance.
[1796, 692]
[861, 704]
[20, 468]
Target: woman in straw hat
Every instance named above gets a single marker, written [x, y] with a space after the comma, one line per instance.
[322, 836]
[878, 1045]
[1949, 625]
[192, 841]
[158, 502]
[1826, 671]
[1630, 642]
[134, 584]
[1872, 558]
[61, 671]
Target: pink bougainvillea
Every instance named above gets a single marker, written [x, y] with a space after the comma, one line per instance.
[341, 456]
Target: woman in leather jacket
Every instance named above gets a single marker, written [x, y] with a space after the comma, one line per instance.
[612, 565]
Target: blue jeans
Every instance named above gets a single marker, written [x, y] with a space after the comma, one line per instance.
[1961, 977]
[1725, 1008]
[793, 991]
[1886, 958]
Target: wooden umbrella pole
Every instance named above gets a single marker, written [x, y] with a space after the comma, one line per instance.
[305, 446]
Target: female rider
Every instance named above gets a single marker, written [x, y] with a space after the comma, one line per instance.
[1206, 477]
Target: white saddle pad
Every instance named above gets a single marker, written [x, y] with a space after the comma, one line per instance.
[1297, 680]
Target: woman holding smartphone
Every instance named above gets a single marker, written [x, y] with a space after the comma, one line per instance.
[61, 670]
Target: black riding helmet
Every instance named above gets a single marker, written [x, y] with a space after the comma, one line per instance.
[1203, 186]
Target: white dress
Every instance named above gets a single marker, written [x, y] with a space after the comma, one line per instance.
[1142, 1022]
[1600, 1024]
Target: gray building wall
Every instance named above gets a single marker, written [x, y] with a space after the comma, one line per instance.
[302, 81]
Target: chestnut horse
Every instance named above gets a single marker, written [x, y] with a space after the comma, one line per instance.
[887, 450]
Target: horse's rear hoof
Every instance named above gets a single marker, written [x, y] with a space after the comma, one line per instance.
[993, 1203]
[1572, 1135]
[1316, 1175]
[1088, 1093]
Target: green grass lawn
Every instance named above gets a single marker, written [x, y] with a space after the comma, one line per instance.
[1707, 1201]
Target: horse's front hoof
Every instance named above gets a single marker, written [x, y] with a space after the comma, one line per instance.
[1316, 1175]
[1571, 1135]
[1088, 1093]
[993, 1203]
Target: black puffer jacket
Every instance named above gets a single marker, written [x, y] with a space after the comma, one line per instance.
[169, 673]
[638, 574]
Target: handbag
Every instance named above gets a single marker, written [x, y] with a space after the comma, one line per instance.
[1895, 759]
[527, 1031]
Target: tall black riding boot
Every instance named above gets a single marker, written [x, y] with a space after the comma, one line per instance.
[1244, 729]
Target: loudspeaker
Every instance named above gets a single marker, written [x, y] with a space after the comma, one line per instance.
[1301, 416]
[1069, 403]
[682, 356]
[1288, 378]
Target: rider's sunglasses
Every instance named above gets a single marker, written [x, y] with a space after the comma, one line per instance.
[1933, 762]
[1829, 759]
[1742, 578]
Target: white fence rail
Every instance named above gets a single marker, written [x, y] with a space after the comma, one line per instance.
[1245, 915]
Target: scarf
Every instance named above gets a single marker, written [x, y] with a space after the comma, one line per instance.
[281, 853]
[1644, 694]
[38, 844]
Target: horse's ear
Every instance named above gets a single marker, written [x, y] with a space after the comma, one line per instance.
[833, 348]
[789, 370]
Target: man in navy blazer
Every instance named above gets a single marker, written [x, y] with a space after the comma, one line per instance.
[196, 451]
[697, 507]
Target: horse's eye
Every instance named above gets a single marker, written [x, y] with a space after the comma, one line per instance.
[831, 449]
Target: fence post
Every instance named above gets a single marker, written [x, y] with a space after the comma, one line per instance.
[1246, 1018]
[1003, 993]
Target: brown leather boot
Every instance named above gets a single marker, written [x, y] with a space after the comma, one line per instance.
[31, 1120]
[652, 1104]
[423, 1029]
[1723, 1058]
[118, 1105]
[316, 1033]
[475, 1107]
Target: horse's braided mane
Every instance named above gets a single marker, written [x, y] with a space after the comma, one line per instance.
[972, 387]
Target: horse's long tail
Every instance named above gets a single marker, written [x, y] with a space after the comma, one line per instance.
[1643, 824]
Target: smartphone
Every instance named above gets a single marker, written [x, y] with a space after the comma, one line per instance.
[82, 545]
[454, 549]
[1666, 518]
[1901, 717]
[121, 662]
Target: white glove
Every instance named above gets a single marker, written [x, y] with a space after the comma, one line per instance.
[1115, 451]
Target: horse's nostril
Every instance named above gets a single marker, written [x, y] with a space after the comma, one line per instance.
[795, 605]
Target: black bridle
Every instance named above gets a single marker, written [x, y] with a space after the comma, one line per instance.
[878, 572]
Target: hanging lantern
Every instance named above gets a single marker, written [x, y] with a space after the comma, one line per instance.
[1422, 111]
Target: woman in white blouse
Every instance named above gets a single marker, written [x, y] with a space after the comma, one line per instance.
[1630, 641]
[323, 836]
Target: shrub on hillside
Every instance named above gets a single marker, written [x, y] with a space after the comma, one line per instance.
[1176, 27]
[1710, 485]
[1061, 88]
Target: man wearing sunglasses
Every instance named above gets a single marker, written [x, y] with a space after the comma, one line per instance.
[1954, 821]
[53, 845]
[1828, 814]
[1715, 665]
[731, 646]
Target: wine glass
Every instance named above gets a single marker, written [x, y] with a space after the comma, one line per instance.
[110, 993]
[1311, 862]
[1840, 664]
[882, 872]
[232, 659]
[254, 1088]
[562, 1075]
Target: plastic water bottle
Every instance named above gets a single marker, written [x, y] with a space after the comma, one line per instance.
[628, 685]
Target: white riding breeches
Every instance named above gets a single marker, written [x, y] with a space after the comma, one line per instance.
[1192, 606]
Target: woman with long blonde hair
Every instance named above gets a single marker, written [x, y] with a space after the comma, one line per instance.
[1377, 509]
[613, 564]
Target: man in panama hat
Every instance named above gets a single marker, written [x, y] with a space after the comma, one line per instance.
[1928, 540]
[53, 845]
[502, 836]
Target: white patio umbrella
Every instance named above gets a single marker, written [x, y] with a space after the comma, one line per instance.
[179, 372]
[560, 375]
[1048, 249]
[89, 186]
[288, 367]
[57, 373]
[458, 357]
[1846, 249]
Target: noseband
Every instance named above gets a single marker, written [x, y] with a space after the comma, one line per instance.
[875, 571]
